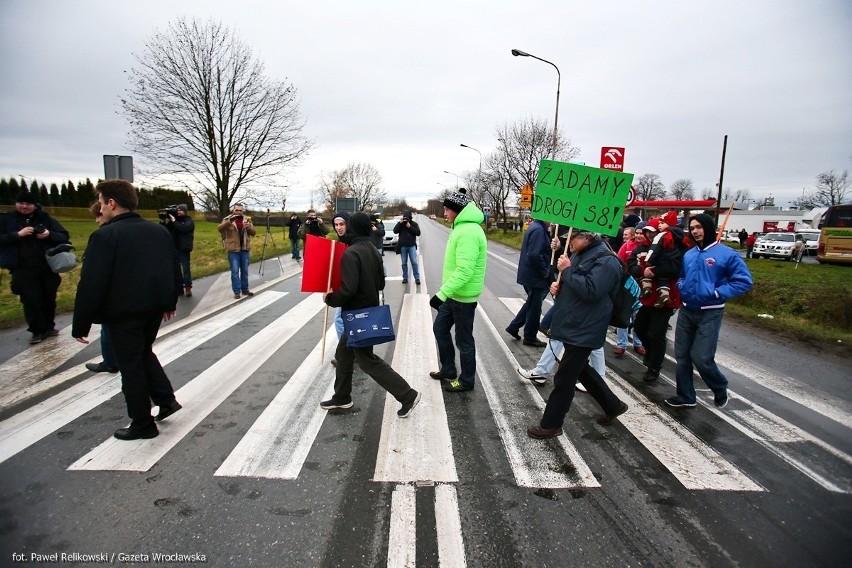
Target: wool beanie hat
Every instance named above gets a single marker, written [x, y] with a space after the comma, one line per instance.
[653, 225]
[456, 201]
[670, 218]
[183, 207]
[359, 225]
[27, 197]
[341, 215]
[631, 220]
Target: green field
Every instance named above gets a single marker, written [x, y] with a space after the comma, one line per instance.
[812, 303]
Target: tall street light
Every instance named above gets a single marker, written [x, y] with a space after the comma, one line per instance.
[452, 174]
[517, 53]
[479, 172]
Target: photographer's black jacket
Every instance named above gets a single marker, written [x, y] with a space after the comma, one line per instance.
[17, 252]
[407, 235]
[130, 269]
[183, 232]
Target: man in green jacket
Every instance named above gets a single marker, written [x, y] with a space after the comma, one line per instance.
[461, 284]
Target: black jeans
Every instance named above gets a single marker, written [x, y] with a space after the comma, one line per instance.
[374, 366]
[142, 377]
[651, 325]
[37, 286]
[575, 365]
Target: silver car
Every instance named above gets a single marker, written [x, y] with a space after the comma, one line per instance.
[776, 245]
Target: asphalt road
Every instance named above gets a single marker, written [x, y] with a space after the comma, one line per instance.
[252, 473]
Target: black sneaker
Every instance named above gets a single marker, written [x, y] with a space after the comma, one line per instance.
[651, 375]
[51, 333]
[143, 433]
[405, 281]
[513, 332]
[406, 408]
[679, 402]
[440, 375]
[168, 410]
[608, 419]
[721, 400]
[37, 338]
[417, 282]
[333, 403]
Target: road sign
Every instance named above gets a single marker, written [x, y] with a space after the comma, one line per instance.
[612, 158]
[526, 196]
[346, 204]
[118, 167]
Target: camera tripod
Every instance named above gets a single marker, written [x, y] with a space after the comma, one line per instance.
[268, 238]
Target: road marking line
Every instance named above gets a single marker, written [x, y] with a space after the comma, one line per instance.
[402, 540]
[202, 395]
[277, 444]
[450, 541]
[31, 425]
[534, 463]
[692, 461]
[417, 448]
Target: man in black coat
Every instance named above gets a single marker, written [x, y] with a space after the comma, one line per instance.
[361, 277]
[293, 225]
[408, 231]
[182, 228]
[130, 281]
[25, 236]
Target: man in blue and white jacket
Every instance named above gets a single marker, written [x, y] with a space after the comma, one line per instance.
[712, 273]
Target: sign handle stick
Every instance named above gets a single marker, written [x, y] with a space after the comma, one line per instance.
[553, 254]
[564, 251]
[328, 289]
[721, 230]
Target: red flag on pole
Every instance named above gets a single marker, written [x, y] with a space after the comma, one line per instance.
[315, 269]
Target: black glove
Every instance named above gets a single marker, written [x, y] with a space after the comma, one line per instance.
[435, 302]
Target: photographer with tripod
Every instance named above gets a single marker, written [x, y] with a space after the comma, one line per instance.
[237, 231]
[182, 228]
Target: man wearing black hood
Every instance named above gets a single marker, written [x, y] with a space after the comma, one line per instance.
[408, 231]
[711, 274]
[340, 222]
[362, 278]
[25, 236]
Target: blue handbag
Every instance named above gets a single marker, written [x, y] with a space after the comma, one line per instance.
[368, 326]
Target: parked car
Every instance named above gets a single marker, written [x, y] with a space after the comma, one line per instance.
[776, 245]
[732, 237]
[390, 240]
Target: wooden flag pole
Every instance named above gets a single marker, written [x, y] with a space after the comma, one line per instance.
[328, 289]
[721, 230]
[565, 251]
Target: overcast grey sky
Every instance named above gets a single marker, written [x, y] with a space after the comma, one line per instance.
[401, 84]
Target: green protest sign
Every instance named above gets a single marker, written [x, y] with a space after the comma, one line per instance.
[582, 197]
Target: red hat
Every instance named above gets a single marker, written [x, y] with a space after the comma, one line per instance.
[670, 218]
[652, 225]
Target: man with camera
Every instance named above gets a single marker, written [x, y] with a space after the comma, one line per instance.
[408, 231]
[237, 231]
[294, 224]
[182, 228]
[313, 225]
[27, 234]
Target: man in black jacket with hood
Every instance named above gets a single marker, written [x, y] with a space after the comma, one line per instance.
[130, 280]
[361, 279]
[25, 236]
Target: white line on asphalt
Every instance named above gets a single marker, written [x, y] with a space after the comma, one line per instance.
[534, 463]
[402, 540]
[693, 462]
[417, 448]
[202, 395]
[279, 441]
[33, 424]
[450, 541]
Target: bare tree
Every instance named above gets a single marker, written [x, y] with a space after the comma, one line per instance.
[682, 189]
[361, 181]
[831, 189]
[521, 146]
[200, 107]
[649, 187]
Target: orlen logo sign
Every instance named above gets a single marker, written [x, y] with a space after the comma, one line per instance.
[612, 158]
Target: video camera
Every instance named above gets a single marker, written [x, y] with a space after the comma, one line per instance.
[166, 211]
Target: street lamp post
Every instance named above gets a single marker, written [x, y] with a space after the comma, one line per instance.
[457, 177]
[517, 53]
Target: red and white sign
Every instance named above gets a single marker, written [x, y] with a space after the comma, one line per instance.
[612, 158]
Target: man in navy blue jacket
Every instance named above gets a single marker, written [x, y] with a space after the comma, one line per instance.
[711, 274]
[130, 280]
[534, 276]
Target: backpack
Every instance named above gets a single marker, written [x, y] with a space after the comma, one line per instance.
[625, 299]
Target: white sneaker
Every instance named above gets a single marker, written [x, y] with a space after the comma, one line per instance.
[532, 376]
[580, 387]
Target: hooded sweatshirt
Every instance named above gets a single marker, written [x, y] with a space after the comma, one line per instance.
[712, 272]
[361, 273]
[464, 258]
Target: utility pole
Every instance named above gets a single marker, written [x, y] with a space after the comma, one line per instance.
[721, 177]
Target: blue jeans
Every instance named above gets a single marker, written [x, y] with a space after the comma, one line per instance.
[106, 348]
[294, 249]
[547, 362]
[338, 322]
[239, 262]
[530, 313]
[461, 315]
[183, 257]
[406, 253]
[621, 335]
[696, 337]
